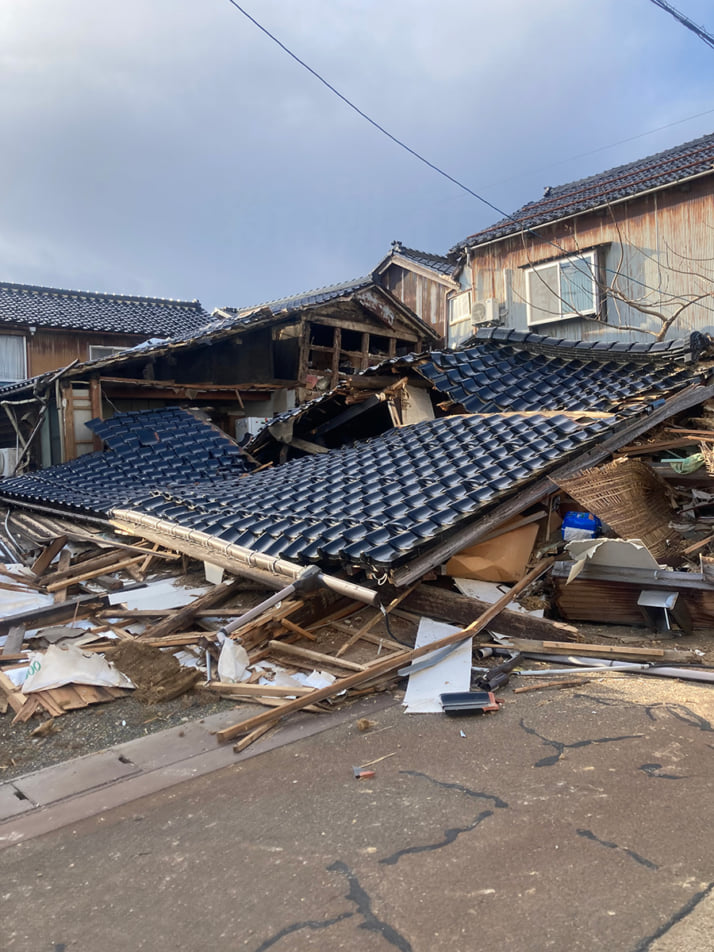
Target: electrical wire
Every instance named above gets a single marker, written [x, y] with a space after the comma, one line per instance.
[369, 119]
[685, 21]
[604, 148]
[524, 229]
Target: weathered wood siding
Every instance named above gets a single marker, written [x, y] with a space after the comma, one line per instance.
[655, 246]
[51, 349]
[425, 297]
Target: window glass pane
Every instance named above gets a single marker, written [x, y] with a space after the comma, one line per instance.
[577, 285]
[12, 358]
[543, 294]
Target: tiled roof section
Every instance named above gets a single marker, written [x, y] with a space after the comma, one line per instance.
[514, 371]
[308, 298]
[33, 306]
[625, 181]
[438, 263]
[149, 451]
[374, 504]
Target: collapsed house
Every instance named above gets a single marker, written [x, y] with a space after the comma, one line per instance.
[407, 481]
[241, 367]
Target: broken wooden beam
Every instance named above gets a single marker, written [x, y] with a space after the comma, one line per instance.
[181, 618]
[552, 685]
[442, 604]
[388, 665]
[45, 558]
[318, 657]
[616, 652]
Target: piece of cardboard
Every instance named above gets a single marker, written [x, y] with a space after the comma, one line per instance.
[503, 559]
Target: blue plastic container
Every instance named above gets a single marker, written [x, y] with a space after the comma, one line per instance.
[580, 525]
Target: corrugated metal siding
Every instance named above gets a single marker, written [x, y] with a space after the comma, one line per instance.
[664, 243]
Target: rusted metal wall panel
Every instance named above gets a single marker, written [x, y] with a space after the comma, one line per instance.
[656, 248]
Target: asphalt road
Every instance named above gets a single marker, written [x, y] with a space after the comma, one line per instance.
[568, 821]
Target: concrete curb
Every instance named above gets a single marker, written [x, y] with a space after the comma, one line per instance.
[48, 799]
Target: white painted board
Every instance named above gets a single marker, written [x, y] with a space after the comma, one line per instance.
[453, 673]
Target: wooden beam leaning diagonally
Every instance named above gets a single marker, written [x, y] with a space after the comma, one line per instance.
[397, 660]
[536, 492]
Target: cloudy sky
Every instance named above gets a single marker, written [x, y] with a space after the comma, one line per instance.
[168, 147]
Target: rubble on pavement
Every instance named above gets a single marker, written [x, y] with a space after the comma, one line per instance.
[450, 507]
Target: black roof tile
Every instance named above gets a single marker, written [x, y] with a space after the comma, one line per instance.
[506, 370]
[34, 306]
[624, 181]
[393, 496]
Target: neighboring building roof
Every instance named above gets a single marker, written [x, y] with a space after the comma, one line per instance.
[438, 263]
[624, 181]
[307, 298]
[33, 306]
[364, 291]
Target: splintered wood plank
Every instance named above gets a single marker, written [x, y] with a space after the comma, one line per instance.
[44, 559]
[620, 652]
[552, 685]
[24, 714]
[296, 629]
[182, 617]
[258, 690]
[314, 656]
[253, 736]
[84, 576]
[64, 560]
[375, 620]
[67, 697]
[16, 699]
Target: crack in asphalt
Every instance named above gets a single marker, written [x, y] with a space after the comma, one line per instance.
[589, 835]
[674, 920]
[561, 747]
[298, 926]
[361, 899]
[451, 833]
[356, 894]
[682, 713]
[476, 794]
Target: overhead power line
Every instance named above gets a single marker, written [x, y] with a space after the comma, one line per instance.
[369, 119]
[524, 229]
[685, 21]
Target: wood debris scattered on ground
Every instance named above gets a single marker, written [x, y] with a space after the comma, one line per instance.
[147, 608]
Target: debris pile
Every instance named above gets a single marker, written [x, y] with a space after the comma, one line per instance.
[516, 479]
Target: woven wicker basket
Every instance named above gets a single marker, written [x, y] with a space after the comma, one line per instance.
[707, 451]
[632, 500]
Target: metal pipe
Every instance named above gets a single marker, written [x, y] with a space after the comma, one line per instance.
[601, 664]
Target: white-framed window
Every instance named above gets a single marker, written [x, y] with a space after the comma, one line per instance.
[460, 325]
[100, 351]
[563, 289]
[13, 358]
